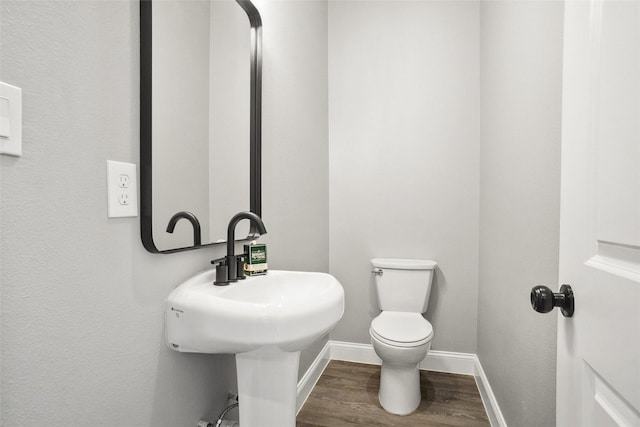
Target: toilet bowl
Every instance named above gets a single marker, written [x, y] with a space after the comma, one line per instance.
[400, 335]
[402, 341]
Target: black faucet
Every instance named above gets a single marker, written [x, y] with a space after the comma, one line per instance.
[197, 238]
[231, 267]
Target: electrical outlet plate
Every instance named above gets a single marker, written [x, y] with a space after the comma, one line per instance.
[10, 120]
[122, 189]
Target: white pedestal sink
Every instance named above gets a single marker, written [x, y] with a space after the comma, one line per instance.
[265, 321]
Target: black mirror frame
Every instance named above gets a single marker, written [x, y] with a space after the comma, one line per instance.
[146, 143]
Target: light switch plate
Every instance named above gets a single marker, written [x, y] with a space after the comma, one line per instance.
[122, 189]
[10, 120]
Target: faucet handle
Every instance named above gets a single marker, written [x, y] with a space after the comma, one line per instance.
[220, 260]
[222, 271]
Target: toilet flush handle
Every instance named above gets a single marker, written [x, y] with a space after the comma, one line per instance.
[377, 271]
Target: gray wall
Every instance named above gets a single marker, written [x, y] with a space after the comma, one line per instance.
[82, 302]
[295, 170]
[294, 131]
[521, 69]
[403, 141]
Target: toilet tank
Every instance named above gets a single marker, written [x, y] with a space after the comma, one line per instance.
[404, 285]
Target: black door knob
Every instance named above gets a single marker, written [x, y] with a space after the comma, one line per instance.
[543, 300]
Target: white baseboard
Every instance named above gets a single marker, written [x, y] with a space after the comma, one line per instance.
[310, 378]
[450, 362]
[354, 352]
[441, 361]
[488, 398]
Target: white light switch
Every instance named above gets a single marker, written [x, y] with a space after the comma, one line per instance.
[10, 120]
[122, 189]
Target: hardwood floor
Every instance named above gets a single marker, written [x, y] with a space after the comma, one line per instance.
[347, 395]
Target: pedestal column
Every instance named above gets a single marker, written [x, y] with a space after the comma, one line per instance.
[267, 387]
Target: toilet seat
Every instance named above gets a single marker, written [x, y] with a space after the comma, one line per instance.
[401, 329]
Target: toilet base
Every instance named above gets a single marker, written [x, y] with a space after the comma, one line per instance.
[399, 388]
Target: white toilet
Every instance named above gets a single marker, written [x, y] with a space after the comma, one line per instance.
[400, 335]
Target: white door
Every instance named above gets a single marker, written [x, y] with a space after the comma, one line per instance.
[598, 371]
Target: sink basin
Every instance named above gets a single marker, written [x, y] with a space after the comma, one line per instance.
[265, 321]
[287, 309]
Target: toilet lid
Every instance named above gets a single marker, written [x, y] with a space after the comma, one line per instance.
[401, 328]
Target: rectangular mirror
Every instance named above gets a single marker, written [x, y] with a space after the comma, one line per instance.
[200, 90]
